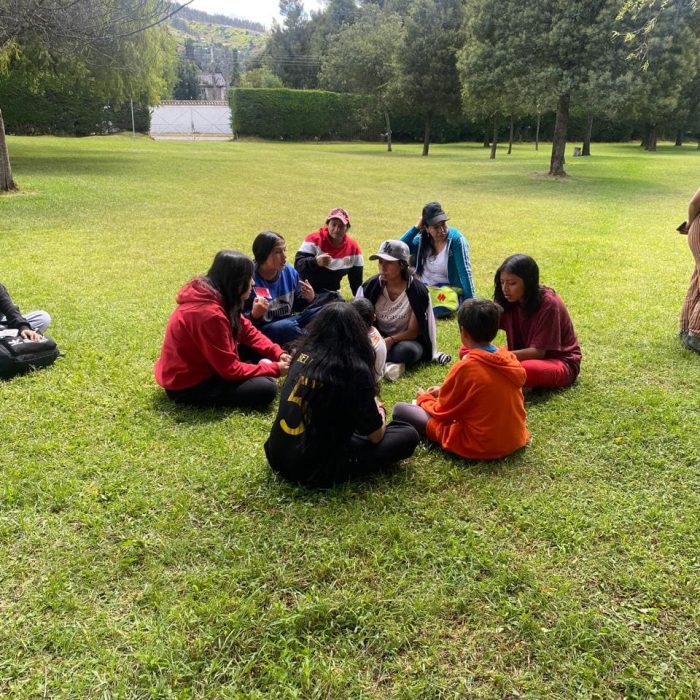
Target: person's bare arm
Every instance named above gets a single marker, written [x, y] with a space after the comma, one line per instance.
[529, 354]
[694, 207]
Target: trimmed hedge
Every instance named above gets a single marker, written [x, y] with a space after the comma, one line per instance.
[48, 107]
[304, 114]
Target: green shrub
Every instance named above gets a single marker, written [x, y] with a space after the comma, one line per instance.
[304, 114]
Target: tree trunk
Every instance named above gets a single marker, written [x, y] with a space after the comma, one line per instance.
[494, 140]
[388, 128]
[679, 138]
[7, 184]
[426, 133]
[537, 133]
[586, 150]
[510, 141]
[645, 137]
[487, 141]
[556, 164]
[651, 139]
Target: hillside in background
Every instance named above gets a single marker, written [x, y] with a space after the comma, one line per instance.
[210, 40]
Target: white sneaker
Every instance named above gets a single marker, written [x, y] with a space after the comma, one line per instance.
[394, 370]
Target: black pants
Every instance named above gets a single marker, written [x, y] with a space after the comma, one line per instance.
[257, 392]
[407, 352]
[360, 458]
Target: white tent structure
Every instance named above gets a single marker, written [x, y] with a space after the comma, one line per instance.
[193, 119]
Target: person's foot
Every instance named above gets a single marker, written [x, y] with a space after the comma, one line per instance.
[394, 370]
[692, 342]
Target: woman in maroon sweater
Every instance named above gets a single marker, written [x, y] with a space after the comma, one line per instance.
[207, 340]
[537, 324]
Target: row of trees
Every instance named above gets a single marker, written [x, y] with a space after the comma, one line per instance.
[115, 49]
[498, 60]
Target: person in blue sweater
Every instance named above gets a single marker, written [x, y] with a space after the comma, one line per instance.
[441, 257]
[280, 303]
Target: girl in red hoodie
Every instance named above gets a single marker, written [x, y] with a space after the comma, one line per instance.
[201, 360]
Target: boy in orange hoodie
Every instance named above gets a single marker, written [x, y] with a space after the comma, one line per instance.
[478, 412]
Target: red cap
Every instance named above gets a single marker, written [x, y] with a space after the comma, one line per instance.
[339, 213]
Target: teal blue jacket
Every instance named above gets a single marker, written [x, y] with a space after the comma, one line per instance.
[459, 269]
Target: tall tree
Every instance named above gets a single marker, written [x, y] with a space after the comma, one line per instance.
[670, 61]
[492, 86]
[288, 51]
[118, 44]
[555, 45]
[427, 60]
[362, 58]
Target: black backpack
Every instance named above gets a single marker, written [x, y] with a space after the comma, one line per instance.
[18, 355]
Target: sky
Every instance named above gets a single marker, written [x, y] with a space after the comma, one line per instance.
[262, 11]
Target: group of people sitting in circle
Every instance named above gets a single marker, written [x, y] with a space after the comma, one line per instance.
[247, 322]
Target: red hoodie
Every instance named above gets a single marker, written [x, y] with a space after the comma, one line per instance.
[479, 412]
[199, 343]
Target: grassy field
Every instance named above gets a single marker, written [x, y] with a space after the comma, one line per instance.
[148, 552]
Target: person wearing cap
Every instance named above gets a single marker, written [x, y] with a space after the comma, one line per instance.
[327, 255]
[402, 307]
[441, 259]
[30, 326]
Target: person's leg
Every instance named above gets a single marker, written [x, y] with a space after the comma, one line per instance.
[38, 320]
[407, 352]
[548, 374]
[282, 332]
[364, 457]
[411, 414]
[257, 392]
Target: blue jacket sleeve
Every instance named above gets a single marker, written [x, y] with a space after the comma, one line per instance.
[411, 238]
[459, 265]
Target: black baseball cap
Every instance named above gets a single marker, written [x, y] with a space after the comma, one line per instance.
[433, 214]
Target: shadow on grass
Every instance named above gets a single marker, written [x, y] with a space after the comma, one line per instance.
[194, 415]
[62, 166]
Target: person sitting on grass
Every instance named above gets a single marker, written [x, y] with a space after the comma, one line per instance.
[478, 412]
[201, 362]
[327, 255]
[441, 258]
[30, 325]
[402, 308]
[330, 425]
[278, 292]
[366, 310]
[537, 325]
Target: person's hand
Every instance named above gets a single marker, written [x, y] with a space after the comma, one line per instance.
[419, 223]
[29, 334]
[323, 260]
[260, 306]
[283, 364]
[390, 342]
[307, 291]
[380, 407]
[433, 391]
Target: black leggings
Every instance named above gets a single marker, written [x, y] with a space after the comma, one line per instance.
[360, 458]
[256, 392]
[408, 352]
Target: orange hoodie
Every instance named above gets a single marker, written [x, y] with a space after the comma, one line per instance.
[479, 412]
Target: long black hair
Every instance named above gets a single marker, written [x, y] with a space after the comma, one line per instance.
[526, 268]
[336, 340]
[230, 275]
[264, 244]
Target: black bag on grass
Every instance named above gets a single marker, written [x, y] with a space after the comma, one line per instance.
[18, 355]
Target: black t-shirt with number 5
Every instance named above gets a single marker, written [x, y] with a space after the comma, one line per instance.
[305, 444]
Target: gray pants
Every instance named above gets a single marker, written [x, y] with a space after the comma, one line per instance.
[38, 320]
[413, 415]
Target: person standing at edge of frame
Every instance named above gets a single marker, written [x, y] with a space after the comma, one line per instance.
[690, 314]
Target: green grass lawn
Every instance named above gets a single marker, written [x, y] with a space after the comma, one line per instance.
[148, 552]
